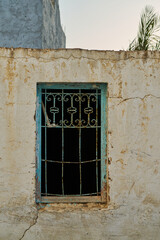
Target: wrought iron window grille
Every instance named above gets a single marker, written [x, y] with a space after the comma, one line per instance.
[71, 142]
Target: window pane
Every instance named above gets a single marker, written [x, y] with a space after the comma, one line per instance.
[71, 179]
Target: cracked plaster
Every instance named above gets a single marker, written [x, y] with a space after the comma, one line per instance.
[33, 224]
[133, 208]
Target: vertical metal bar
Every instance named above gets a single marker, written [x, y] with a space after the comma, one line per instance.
[62, 143]
[54, 104]
[45, 146]
[38, 144]
[97, 140]
[80, 167]
[103, 142]
[88, 107]
[71, 107]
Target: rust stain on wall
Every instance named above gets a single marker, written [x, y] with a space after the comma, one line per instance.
[63, 65]
[150, 199]
[120, 89]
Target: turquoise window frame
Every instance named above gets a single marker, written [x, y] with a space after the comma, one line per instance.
[81, 199]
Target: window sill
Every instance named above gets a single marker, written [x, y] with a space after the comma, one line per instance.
[72, 199]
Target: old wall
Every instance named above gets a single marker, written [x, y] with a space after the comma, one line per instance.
[52, 32]
[22, 24]
[133, 209]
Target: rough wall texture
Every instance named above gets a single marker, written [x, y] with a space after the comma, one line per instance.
[22, 24]
[133, 209]
[52, 33]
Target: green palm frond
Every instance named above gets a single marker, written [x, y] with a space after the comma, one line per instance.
[149, 25]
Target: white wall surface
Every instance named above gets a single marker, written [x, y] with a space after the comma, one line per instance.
[133, 208]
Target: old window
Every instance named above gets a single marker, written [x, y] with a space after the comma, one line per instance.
[71, 142]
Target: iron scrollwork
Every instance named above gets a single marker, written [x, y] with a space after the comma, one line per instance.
[82, 105]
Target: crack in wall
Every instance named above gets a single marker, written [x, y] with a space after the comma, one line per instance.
[110, 58]
[33, 224]
[140, 98]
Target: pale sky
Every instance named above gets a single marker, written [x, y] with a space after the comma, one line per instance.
[102, 24]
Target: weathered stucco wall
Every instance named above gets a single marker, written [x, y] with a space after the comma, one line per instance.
[24, 24]
[133, 209]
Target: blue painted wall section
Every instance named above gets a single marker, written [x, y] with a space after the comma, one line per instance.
[52, 32]
[24, 23]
